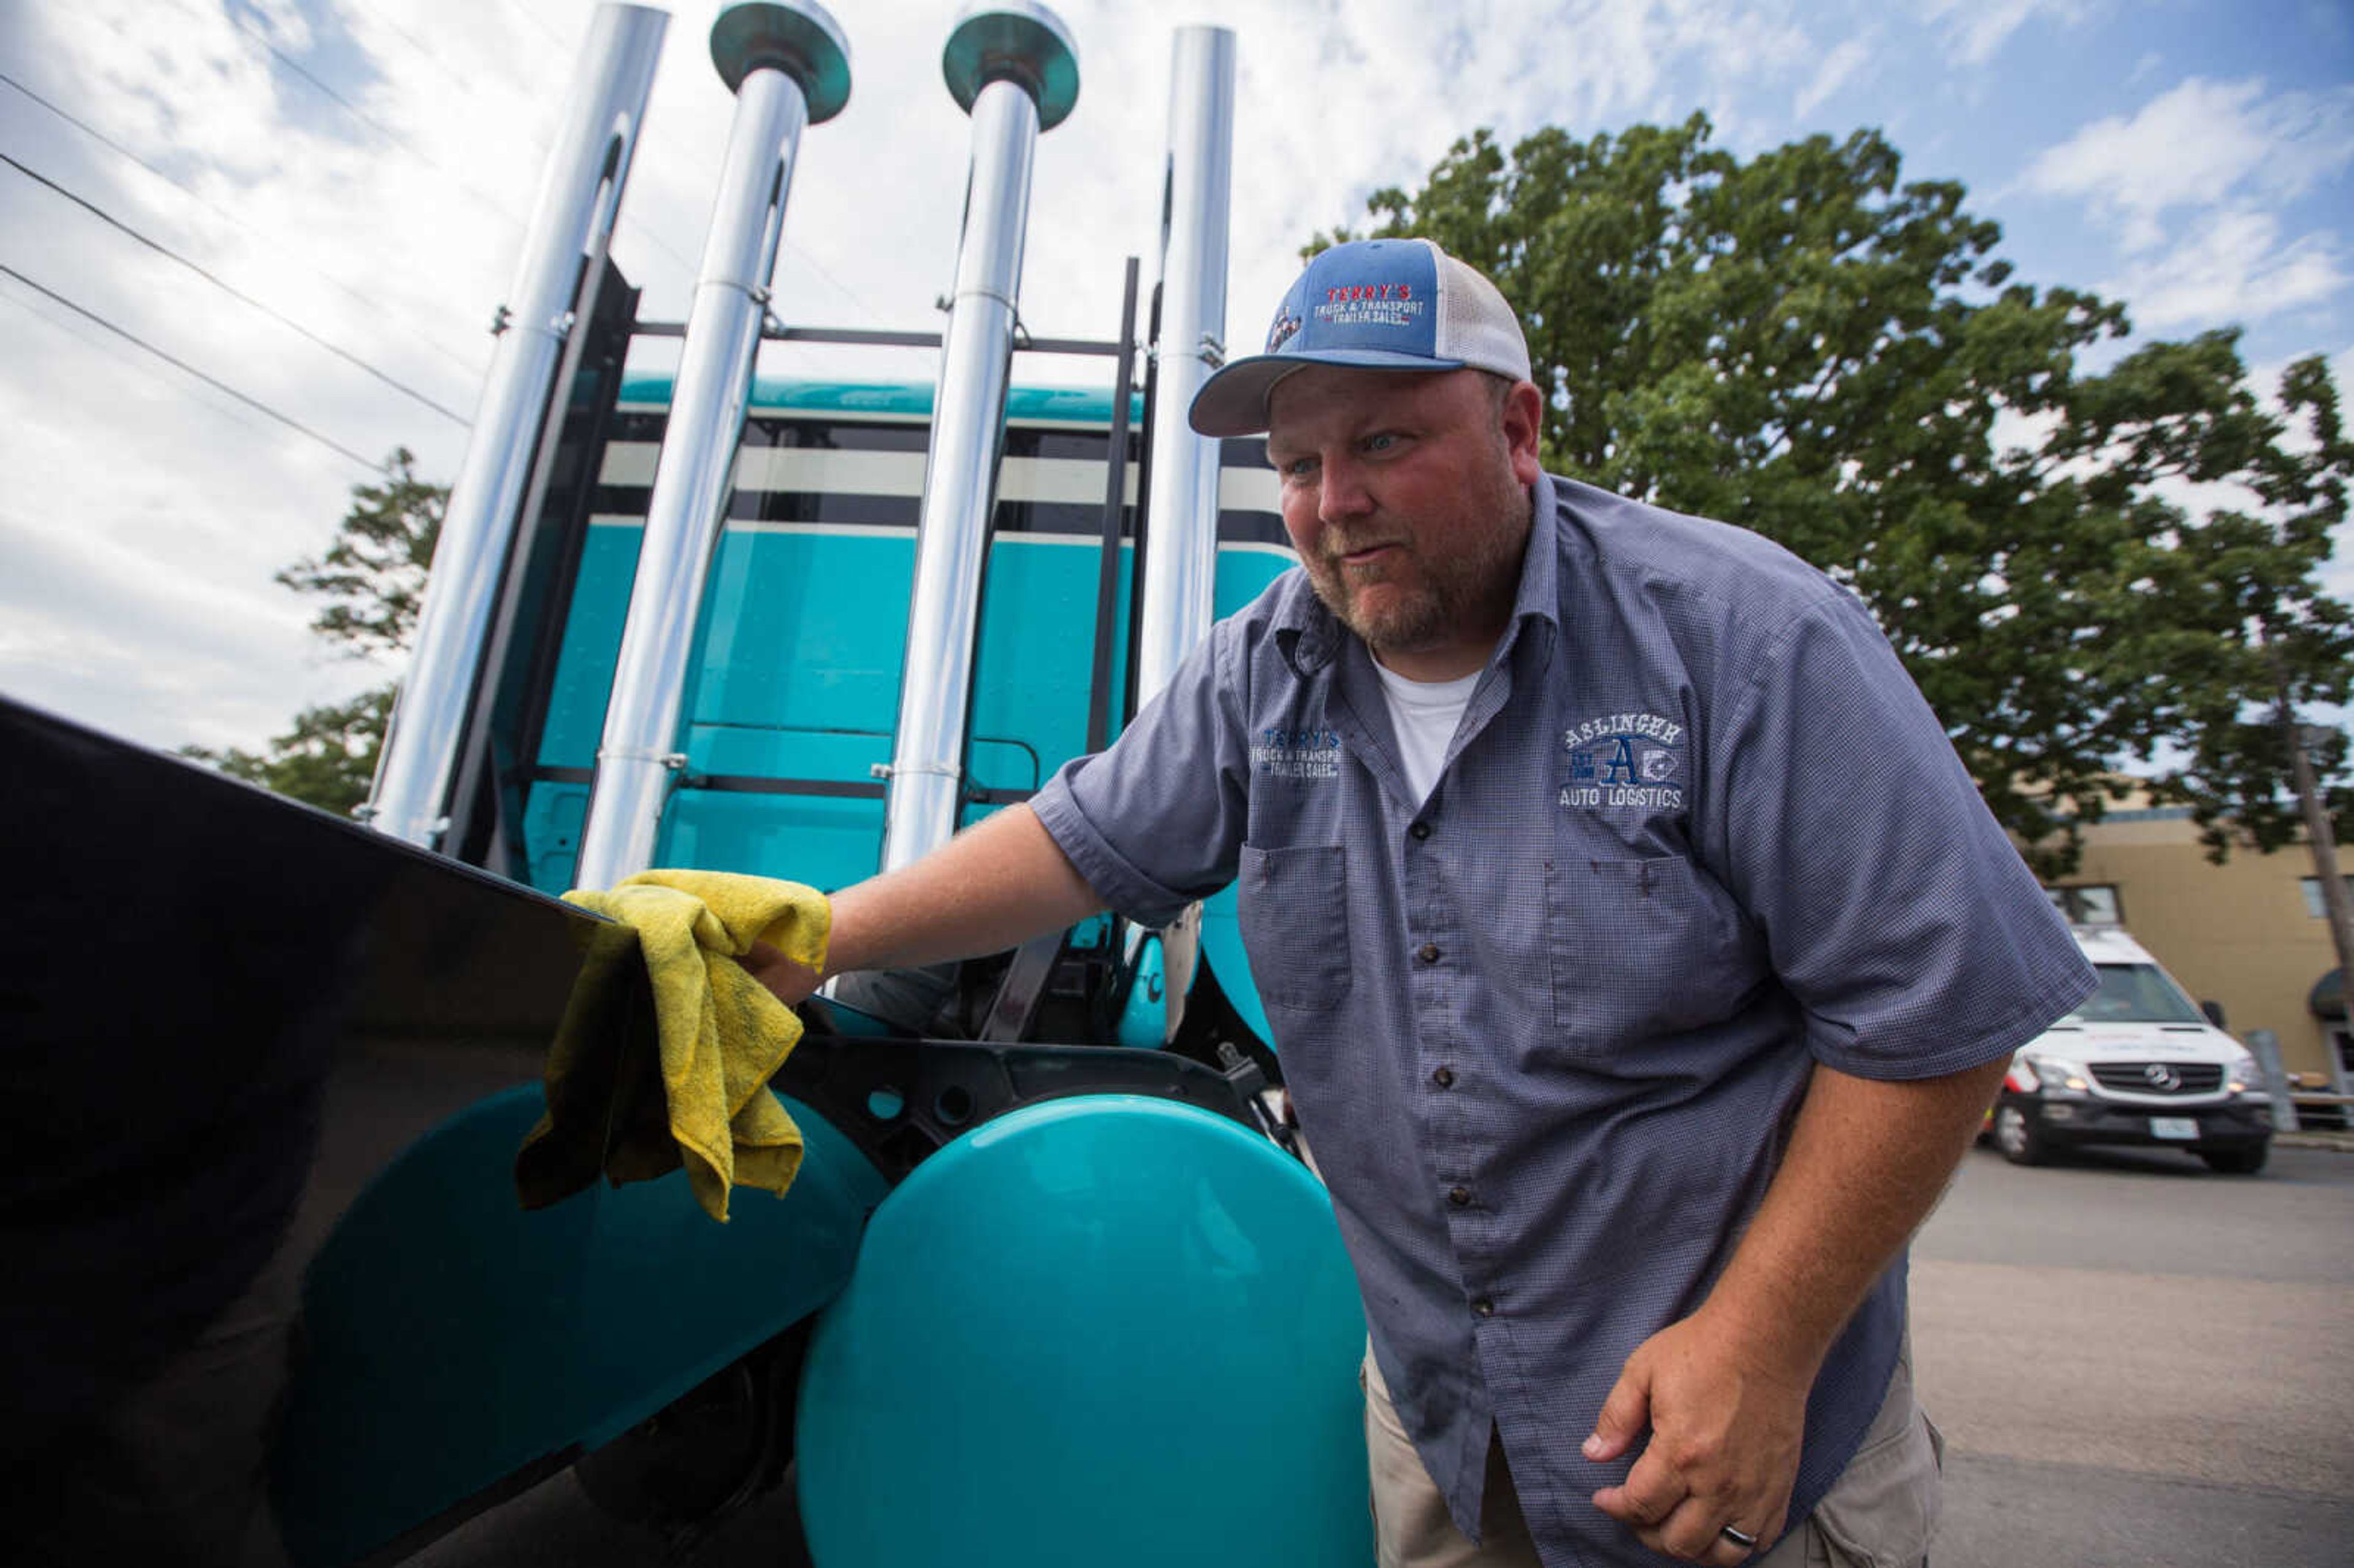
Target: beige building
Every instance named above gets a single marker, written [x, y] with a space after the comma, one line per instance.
[2250, 934]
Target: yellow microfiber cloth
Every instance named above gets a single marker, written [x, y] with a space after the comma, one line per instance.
[700, 1097]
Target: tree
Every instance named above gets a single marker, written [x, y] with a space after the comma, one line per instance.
[327, 759]
[1807, 346]
[373, 577]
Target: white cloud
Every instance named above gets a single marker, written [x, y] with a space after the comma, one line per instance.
[1830, 76]
[2231, 267]
[2201, 144]
[1978, 28]
[145, 515]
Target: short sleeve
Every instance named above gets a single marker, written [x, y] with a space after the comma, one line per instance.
[1894, 910]
[1155, 820]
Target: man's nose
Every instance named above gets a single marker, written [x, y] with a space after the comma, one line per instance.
[1342, 491]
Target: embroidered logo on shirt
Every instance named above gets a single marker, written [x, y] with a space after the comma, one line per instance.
[1626, 760]
[1296, 754]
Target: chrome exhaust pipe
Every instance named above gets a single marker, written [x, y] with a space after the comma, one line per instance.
[1178, 598]
[572, 221]
[1012, 66]
[788, 66]
[1180, 549]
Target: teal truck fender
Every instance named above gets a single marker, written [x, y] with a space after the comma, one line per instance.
[1104, 1329]
[451, 1339]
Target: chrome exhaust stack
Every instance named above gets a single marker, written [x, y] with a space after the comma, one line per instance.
[1178, 599]
[788, 66]
[571, 223]
[1012, 66]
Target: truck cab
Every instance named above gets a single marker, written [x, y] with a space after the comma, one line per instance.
[2136, 1064]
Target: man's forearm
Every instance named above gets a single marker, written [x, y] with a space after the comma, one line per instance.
[1867, 1160]
[992, 887]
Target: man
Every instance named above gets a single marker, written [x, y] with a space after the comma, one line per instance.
[1640, 954]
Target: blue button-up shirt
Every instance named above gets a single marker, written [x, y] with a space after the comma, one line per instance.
[1546, 1029]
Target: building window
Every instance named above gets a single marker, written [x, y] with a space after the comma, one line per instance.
[2313, 904]
[2093, 904]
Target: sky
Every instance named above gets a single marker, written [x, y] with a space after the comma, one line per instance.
[361, 168]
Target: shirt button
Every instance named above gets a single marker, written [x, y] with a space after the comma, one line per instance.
[1482, 1306]
[1444, 1078]
[1427, 952]
[1458, 1196]
[1419, 831]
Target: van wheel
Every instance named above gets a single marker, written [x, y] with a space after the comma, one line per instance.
[2236, 1162]
[2016, 1135]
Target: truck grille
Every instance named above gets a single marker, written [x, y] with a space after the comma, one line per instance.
[2158, 1077]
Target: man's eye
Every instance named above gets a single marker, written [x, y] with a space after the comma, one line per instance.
[1298, 468]
[1381, 443]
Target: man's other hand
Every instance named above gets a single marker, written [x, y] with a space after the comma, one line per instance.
[1726, 1426]
[792, 983]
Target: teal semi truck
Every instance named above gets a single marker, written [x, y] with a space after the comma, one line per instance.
[1055, 1284]
[802, 635]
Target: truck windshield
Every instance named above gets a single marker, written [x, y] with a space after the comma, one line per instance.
[2136, 994]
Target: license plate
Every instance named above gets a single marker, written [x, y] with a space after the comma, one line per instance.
[2173, 1127]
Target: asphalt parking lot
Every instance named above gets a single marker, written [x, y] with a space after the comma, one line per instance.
[2138, 1362]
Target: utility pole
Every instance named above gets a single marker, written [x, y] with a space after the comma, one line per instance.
[2323, 841]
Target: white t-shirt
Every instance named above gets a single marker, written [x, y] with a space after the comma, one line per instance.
[1424, 714]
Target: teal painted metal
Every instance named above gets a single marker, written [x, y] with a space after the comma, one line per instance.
[1105, 1329]
[1144, 1017]
[1089, 405]
[1221, 950]
[453, 1338]
[801, 636]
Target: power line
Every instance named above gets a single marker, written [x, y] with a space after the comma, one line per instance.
[489, 203]
[179, 364]
[77, 331]
[533, 17]
[183, 189]
[246, 26]
[437, 62]
[233, 292]
[539, 143]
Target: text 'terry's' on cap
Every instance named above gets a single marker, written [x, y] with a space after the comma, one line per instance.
[1376, 304]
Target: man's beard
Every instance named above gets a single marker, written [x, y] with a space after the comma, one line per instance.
[1467, 568]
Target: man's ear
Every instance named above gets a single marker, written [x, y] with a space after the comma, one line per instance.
[1523, 425]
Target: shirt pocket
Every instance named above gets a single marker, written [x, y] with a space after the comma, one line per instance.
[1293, 910]
[1638, 947]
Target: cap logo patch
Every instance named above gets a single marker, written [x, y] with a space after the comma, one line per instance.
[1287, 327]
[1371, 304]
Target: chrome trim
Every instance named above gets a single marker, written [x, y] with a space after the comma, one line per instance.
[572, 218]
[638, 759]
[1180, 568]
[961, 466]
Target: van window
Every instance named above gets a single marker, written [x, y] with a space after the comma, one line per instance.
[2136, 994]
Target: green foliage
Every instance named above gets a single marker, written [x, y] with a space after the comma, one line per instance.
[1809, 346]
[327, 759]
[373, 577]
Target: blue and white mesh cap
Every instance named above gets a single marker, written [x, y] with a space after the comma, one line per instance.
[1378, 304]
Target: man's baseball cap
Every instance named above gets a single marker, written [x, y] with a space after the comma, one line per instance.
[1377, 304]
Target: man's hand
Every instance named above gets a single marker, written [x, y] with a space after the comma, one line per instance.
[1726, 1424]
[1724, 1391]
[994, 886]
[792, 983]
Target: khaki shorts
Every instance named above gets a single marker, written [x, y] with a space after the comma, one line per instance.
[1880, 1513]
